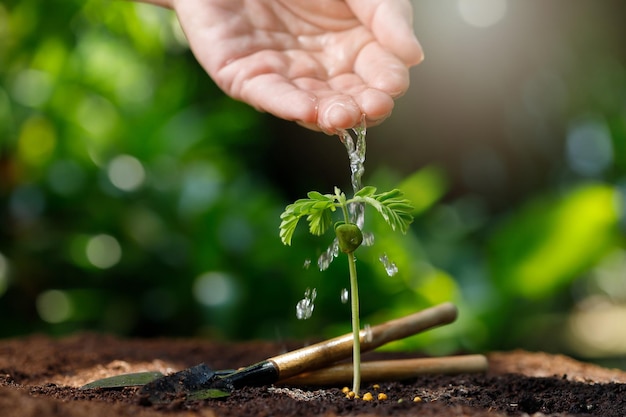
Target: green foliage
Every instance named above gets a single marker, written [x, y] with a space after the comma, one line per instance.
[553, 240]
[318, 208]
[123, 168]
[88, 86]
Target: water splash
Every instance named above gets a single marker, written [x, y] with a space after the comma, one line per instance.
[368, 239]
[344, 296]
[325, 259]
[368, 336]
[390, 267]
[356, 155]
[305, 307]
[307, 264]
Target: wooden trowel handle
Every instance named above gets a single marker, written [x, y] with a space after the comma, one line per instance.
[324, 353]
[391, 370]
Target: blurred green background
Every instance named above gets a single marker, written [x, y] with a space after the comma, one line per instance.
[135, 198]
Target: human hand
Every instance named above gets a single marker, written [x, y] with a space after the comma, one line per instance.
[325, 64]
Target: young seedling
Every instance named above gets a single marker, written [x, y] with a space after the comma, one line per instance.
[318, 209]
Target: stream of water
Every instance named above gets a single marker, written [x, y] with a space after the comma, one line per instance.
[356, 154]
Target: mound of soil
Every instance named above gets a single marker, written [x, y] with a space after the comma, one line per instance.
[40, 376]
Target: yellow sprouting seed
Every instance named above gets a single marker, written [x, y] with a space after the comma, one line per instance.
[345, 390]
[417, 399]
[368, 396]
[376, 386]
[350, 395]
[382, 396]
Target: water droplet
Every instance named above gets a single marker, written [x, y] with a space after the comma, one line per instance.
[390, 267]
[305, 307]
[344, 296]
[357, 214]
[368, 336]
[307, 263]
[368, 239]
[325, 259]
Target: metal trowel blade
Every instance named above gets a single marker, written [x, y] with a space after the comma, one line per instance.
[191, 383]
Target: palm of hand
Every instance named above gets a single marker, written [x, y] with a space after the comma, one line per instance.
[310, 61]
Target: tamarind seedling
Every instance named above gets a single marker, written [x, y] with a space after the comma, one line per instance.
[318, 209]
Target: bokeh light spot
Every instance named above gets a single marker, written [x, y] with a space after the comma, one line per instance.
[126, 172]
[103, 251]
[201, 186]
[32, 88]
[596, 328]
[37, 140]
[98, 116]
[53, 306]
[482, 13]
[589, 147]
[214, 289]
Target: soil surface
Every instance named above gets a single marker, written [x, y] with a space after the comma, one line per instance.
[40, 376]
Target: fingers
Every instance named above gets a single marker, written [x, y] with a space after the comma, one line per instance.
[339, 111]
[275, 94]
[381, 70]
[324, 109]
[391, 22]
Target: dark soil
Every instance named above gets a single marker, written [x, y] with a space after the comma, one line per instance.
[40, 376]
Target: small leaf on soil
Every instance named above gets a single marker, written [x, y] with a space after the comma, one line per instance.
[205, 394]
[124, 380]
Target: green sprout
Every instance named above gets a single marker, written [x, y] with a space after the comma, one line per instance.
[318, 210]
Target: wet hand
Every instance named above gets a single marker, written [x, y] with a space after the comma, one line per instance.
[321, 63]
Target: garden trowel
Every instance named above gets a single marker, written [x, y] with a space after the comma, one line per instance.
[201, 381]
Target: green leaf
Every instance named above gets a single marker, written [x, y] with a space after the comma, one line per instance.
[317, 211]
[366, 191]
[124, 380]
[207, 394]
[314, 195]
[393, 207]
[319, 221]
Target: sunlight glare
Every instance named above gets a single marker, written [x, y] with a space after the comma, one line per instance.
[482, 13]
